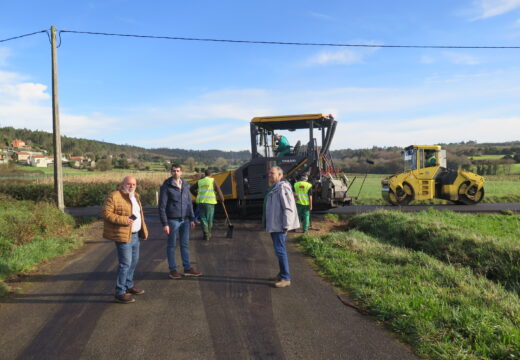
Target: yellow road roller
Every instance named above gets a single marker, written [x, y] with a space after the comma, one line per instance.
[426, 177]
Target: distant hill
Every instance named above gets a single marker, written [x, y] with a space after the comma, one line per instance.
[99, 149]
[468, 154]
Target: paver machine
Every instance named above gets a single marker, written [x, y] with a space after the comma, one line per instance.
[426, 176]
[244, 188]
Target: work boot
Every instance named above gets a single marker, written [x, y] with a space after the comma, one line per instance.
[204, 237]
[124, 299]
[192, 272]
[282, 283]
[174, 274]
[135, 291]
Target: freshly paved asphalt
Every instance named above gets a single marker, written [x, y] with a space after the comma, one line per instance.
[232, 312]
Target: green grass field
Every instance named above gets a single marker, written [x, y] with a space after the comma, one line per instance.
[487, 157]
[418, 276]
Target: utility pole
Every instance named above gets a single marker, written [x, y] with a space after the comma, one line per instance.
[58, 171]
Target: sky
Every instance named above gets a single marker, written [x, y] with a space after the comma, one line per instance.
[202, 95]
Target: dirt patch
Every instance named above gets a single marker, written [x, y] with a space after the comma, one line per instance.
[321, 226]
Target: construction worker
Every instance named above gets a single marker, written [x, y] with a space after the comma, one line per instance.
[205, 190]
[284, 148]
[303, 195]
[430, 159]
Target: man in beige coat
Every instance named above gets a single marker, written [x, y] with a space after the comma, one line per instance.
[280, 216]
[124, 224]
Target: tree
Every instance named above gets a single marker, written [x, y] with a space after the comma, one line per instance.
[190, 163]
[221, 163]
[104, 165]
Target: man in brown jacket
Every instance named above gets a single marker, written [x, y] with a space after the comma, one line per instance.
[124, 224]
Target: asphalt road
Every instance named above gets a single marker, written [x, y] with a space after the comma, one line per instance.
[232, 312]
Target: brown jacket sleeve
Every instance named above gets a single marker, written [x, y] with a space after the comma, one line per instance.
[109, 213]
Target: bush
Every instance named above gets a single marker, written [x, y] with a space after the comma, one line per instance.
[75, 194]
[30, 233]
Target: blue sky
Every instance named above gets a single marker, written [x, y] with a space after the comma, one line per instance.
[200, 95]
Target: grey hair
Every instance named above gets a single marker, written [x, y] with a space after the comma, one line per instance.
[279, 169]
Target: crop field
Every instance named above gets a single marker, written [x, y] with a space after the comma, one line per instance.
[503, 188]
[487, 157]
[447, 283]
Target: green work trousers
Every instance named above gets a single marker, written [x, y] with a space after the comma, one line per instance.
[304, 213]
[206, 217]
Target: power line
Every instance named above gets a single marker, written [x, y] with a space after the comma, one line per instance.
[290, 43]
[24, 35]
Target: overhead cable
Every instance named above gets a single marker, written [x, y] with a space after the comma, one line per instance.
[24, 35]
[290, 43]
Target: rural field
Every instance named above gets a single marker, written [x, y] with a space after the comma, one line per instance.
[502, 188]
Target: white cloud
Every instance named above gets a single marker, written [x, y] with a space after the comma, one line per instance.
[444, 109]
[28, 105]
[429, 130]
[209, 137]
[490, 8]
[340, 57]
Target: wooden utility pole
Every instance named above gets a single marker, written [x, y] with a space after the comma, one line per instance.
[58, 171]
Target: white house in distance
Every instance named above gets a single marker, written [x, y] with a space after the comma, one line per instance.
[41, 161]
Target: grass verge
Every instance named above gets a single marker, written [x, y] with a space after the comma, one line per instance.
[488, 244]
[443, 311]
[31, 233]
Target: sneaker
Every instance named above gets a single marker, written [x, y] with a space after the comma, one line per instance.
[282, 283]
[275, 278]
[192, 272]
[124, 299]
[135, 291]
[174, 274]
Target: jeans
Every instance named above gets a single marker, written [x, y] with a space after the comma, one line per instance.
[178, 229]
[128, 256]
[281, 253]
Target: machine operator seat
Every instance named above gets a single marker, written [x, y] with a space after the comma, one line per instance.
[297, 147]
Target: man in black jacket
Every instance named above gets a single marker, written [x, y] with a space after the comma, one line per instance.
[176, 213]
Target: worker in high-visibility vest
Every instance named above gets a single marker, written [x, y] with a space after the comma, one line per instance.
[303, 195]
[207, 190]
